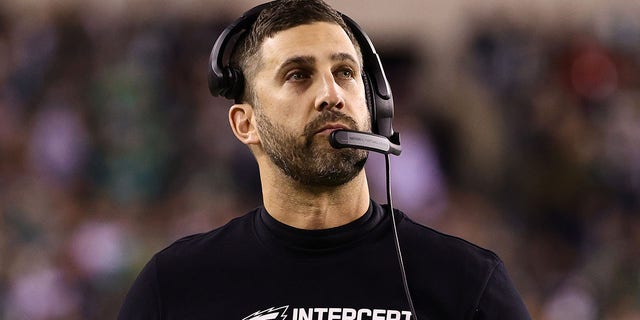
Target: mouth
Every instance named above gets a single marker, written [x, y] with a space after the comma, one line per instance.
[331, 127]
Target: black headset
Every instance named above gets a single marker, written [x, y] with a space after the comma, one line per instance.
[227, 81]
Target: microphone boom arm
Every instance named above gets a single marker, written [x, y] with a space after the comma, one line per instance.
[365, 140]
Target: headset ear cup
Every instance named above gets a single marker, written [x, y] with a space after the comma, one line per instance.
[225, 80]
[235, 84]
[230, 85]
[368, 92]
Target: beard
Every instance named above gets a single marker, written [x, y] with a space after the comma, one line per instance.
[309, 159]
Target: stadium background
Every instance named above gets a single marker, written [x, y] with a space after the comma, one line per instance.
[520, 124]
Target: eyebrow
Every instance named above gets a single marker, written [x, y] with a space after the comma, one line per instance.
[297, 61]
[342, 56]
[310, 60]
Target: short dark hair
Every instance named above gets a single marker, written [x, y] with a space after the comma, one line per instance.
[278, 16]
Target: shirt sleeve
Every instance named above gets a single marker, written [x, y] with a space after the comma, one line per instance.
[143, 299]
[500, 299]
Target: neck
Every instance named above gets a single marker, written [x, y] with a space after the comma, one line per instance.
[306, 207]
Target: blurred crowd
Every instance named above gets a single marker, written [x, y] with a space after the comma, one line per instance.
[111, 148]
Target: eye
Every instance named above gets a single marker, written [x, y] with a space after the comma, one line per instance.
[297, 75]
[345, 73]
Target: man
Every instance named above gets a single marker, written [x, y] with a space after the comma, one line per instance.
[318, 248]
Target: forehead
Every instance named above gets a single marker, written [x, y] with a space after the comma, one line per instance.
[318, 39]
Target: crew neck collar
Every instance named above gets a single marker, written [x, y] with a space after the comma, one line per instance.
[279, 235]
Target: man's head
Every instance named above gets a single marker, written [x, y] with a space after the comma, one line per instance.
[304, 71]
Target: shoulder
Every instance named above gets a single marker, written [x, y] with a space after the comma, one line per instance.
[452, 269]
[461, 263]
[442, 245]
[218, 240]
[190, 265]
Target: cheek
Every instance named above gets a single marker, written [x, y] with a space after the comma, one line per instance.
[361, 105]
[364, 114]
[284, 117]
[287, 106]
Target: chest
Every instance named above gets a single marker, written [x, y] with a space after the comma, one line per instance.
[361, 283]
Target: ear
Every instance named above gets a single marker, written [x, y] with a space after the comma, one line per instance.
[241, 119]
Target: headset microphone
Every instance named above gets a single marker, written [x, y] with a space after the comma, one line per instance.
[365, 140]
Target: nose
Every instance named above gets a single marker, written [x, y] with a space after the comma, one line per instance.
[330, 94]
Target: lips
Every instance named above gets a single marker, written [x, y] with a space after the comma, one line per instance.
[328, 128]
[326, 123]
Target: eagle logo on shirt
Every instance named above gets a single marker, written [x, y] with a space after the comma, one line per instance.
[269, 314]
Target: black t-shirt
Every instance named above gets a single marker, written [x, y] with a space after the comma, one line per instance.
[256, 268]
